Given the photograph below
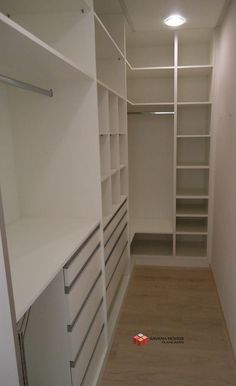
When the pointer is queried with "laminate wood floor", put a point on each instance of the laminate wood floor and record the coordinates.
(171, 302)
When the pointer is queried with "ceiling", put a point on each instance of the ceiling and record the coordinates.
(148, 15)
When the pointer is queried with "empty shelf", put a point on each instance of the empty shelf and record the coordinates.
(144, 225)
(194, 208)
(154, 245)
(189, 246)
(191, 226)
(192, 193)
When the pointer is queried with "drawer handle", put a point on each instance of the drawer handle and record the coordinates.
(120, 235)
(116, 227)
(107, 225)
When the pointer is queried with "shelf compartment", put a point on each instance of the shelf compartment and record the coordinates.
(51, 23)
(195, 47)
(109, 62)
(191, 225)
(194, 120)
(122, 110)
(113, 114)
(152, 244)
(123, 149)
(192, 183)
(158, 89)
(115, 185)
(191, 246)
(194, 86)
(191, 208)
(193, 152)
(105, 155)
(103, 110)
(106, 198)
(145, 49)
(114, 149)
(149, 72)
(124, 181)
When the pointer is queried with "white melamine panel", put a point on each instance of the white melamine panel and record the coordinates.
(73, 267)
(106, 197)
(115, 186)
(46, 331)
(191, 246)
(63, 30)
(192, 182)
(152, 244)
(80, 328)
(103, 110)
(86, 353)
(113, 113)
(190, 208)
(38, 250)
(113, 259)
(151, 90)
(109, 229)
(194, 88)
(94, 368)
(151, 140)
(105, 155)
(115, 235)
(116, 279)
(194, 120)
(193, 151)
(115, 25)
(114, 152)
(122, 110)
(80, 289)
(195, 47)
(123, 149)
(124, 181)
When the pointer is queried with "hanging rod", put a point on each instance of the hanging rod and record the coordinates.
(26, 86)
(152, 112)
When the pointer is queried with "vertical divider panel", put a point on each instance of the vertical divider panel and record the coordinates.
(175, 137)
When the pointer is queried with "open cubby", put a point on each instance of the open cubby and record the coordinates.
(114, 146)
(113, 113)
(194, 120)
(109, 62)
(191, 246)
(194, 85)
(152, 89)
(191, 225)
(115, 186)
(193, 151)
(152, 244)
(52, 21)
(105, 155)
(195, 47)
(147, 50)
(106, 198)
(123, 149)
(188, 207)
(103, 110)
(192, 183)
(122, 110)
(124, 181)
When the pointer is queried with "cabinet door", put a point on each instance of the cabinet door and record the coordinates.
(46, 340)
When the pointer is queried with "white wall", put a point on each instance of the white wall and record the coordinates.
(224, 231)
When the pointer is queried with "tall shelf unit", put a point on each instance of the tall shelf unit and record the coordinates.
(169, 94)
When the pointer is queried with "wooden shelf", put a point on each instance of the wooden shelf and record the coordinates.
(38, 250)
(42, 64)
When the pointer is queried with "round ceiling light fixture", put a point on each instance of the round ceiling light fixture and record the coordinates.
(174, 20)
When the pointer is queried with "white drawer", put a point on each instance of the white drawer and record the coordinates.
(112, 288)
(96, 361)
(80, 289)
(111, 242)
(78, 369)
(115, 256)
(113, 224)
(78, 330)
(76, 263)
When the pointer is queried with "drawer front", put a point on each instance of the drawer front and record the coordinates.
(115, 256)
(79, 329)
(77, 294)
(96, 361)
(76, 263)
(80, 366)
(109, 229)
(111, 242)
(116, 278)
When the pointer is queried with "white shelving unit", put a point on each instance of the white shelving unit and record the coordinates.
(170, 81)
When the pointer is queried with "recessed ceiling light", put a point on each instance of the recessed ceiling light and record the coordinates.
(174, 20)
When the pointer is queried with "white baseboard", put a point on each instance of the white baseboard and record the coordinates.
(162, 261)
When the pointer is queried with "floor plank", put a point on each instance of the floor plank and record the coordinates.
(171, 302)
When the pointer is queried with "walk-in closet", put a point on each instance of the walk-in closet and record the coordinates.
(117, 159)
